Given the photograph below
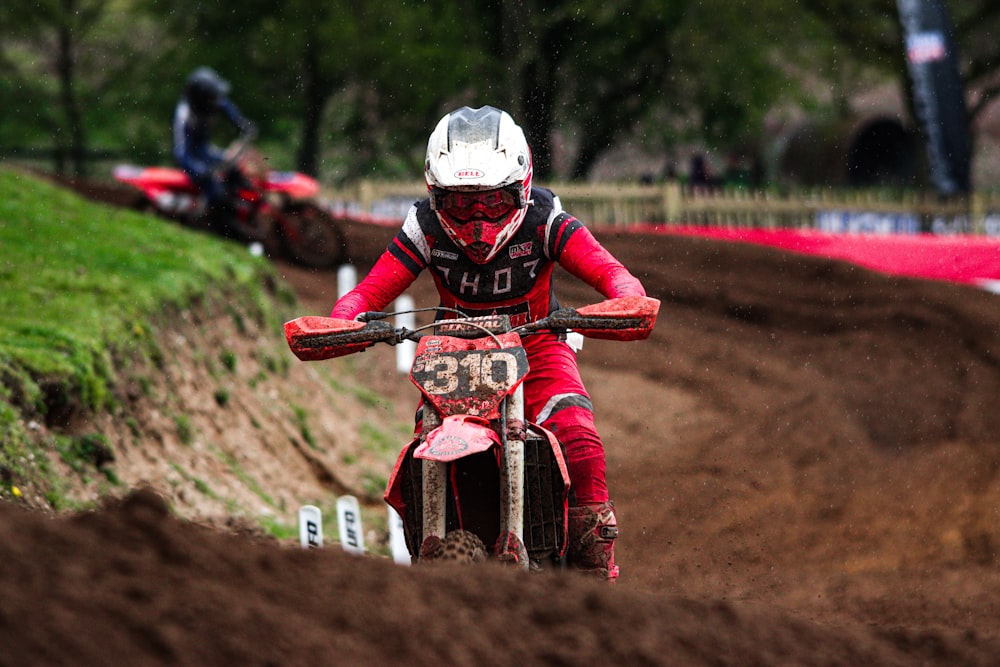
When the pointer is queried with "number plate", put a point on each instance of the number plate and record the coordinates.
(467, 381)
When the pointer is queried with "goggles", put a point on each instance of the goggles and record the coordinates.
(491, 204)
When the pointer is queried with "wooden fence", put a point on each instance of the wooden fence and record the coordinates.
(609, 204)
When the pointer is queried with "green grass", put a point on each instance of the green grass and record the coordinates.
(199, 484)
(302, 419)
(83, 290)
(239, 473)
(380, 442)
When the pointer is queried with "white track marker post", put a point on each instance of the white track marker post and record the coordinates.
(310, 527)
(349, 522)
(397, 539)
(347, 278)
(406, 350)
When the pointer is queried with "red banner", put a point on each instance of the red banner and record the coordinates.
(959, 258)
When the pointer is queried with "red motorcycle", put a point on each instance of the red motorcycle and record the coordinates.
(275, 208)
(479, 481)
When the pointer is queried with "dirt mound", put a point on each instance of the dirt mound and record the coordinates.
(804, 457)
(129, 584)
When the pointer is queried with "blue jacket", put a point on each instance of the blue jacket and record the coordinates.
(192, 136)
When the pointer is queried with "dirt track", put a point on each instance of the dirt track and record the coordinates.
(805, 461)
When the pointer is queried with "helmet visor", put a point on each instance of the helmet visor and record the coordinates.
(482, 204)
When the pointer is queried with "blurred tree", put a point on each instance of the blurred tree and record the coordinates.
(387, 64)
(977, 25)
(582, 75)
(738, 61)
(59, 26)
(587, 70)
(413, 63)
(359, 86)
(868, 32)
(590, 74)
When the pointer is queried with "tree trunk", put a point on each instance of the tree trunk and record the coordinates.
(315, 95)
(66, 66)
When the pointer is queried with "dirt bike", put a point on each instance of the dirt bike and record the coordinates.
(275, 208)
(477, 473)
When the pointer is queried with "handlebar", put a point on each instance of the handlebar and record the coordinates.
(313, 338)
(239, 145)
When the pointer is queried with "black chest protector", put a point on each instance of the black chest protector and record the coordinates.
(518, 280)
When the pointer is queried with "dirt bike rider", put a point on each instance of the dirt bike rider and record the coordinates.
(205, 96)
(491, 242)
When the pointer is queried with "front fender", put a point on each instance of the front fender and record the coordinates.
(458, 436)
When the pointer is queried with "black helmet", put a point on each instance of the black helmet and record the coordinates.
(204, 89)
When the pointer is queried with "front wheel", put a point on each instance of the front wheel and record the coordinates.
(458, 546)
(249, 226)
(311, 237)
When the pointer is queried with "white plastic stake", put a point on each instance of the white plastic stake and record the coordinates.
(406, 350)
(352, 536)
(397, 539)
(310, 527)
(347, 278)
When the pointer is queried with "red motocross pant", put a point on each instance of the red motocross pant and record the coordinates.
(556, 399)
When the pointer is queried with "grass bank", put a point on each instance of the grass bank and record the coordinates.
(83, 288)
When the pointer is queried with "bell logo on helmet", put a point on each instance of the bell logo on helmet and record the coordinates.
(469, 173)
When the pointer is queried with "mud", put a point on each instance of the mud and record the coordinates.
(804, 458)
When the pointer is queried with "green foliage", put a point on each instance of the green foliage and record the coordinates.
(88, 452)
(185, 431)
(74, 74)
(276, 365)
(221, 397)
(379, 441)
(344, 91)
(243, 476)
(73, 302)
(373, 485)
(228, 360)
(302, 418)
(277, 529)
(20, 457)
(199, 484)
(77, 305)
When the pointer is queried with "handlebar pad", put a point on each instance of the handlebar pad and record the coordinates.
(312, 338)
(627, 317)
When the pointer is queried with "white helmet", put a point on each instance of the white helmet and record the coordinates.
(478, 173)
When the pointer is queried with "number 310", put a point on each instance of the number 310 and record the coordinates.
(480, 369)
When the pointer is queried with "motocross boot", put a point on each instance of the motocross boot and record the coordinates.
(592, 533)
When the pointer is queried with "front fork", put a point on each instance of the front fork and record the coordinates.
(512, 483)
(435, 485)
(510, 545)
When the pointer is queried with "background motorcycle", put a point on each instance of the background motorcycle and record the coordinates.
(478, 481)
(275, 208)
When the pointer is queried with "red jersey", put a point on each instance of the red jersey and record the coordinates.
(516, 282)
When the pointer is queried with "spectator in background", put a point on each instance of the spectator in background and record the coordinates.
(700, 177)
